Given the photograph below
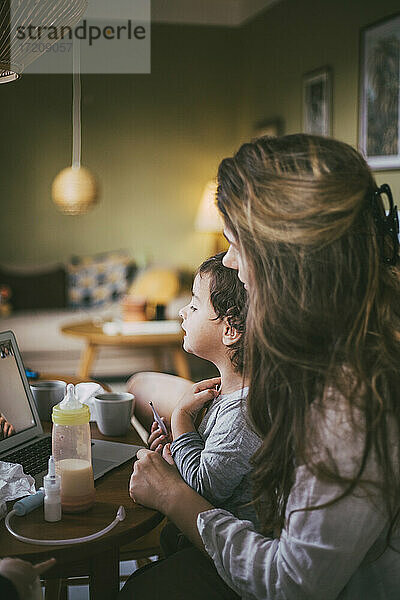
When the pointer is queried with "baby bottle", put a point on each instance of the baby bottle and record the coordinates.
(72, 452)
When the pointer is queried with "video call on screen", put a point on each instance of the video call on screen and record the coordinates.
(14, 406)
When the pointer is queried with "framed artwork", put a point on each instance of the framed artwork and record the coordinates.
(317, 102)
(271, 127)
(379, 138)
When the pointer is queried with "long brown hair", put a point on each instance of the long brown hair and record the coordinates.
(323, 313)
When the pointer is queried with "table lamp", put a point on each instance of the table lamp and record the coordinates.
(208, 219)
(153, 288)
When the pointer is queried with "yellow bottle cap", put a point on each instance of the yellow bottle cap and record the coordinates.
(70, 411)
(77, 416)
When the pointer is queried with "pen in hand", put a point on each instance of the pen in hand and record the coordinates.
(159, 420)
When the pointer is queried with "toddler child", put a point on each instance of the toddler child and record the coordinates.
(214, 459)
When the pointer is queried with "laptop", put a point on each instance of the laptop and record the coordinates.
(27, 444)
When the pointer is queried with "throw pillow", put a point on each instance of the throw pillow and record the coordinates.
(96, 280)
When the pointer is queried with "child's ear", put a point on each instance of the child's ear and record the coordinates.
(230, 335)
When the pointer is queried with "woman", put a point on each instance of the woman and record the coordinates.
(311, 242)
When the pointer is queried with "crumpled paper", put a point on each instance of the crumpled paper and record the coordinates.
(85, 392)
(14, 483)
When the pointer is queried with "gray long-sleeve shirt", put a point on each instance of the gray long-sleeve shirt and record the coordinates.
(215, 460)
(335, 553)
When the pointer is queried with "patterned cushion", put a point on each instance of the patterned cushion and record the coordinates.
(98, 279)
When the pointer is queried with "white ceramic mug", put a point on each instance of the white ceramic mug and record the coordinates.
(113, 412)
(46, 395)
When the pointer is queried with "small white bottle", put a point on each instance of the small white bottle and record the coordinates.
(52, 493)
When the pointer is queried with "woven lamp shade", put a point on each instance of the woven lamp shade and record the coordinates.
(75, 191)
(15, 53)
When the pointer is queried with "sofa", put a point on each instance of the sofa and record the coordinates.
(44, 298)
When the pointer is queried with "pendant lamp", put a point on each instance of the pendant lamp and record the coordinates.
(16, 16)
(74, 189)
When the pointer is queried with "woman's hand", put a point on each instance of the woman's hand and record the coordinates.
(25, 576)
(201, 394)
(157, 484)
(157, 439)
(154, 482)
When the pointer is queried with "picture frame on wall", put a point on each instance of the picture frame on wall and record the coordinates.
(379, 123)
(317, 102)
(271, 127)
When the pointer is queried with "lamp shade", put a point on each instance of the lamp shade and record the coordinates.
(156, 284)
(74, 190)
(41, 19)
(208, 219)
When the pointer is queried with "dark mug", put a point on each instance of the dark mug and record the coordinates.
(46, 395)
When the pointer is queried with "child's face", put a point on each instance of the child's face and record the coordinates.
(203, 335)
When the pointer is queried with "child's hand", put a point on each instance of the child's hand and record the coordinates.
(167, 454)
(157, 439)
(201, 393)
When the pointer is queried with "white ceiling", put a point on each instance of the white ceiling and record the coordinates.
(230, 13)
(207, 12)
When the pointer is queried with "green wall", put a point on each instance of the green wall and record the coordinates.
(298, 36)
(155, 140)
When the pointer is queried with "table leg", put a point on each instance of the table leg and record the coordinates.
(180, 363)
(87, 359)
(104, 575)
(55, 589)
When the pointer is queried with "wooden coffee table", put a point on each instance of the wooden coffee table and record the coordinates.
(156, 343)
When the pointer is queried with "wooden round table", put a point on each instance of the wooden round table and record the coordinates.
(155, 342)
(100, 558)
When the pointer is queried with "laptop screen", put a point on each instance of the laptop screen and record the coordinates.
(15, 409)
